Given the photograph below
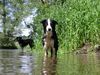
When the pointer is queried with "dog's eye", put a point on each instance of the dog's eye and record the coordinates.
(46, 24)
(51, 24)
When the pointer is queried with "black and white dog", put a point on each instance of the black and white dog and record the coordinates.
(24, 36)
(24, 42)
(50, 39)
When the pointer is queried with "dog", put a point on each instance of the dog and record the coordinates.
(24, 42)
(50, 39)
(24, 36)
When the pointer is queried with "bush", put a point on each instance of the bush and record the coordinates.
(6, 42)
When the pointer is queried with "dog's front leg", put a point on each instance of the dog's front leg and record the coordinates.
(46, 50)
(53, 52)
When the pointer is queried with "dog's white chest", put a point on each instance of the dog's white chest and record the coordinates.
(49, 43)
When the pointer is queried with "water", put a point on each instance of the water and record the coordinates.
(12, 62)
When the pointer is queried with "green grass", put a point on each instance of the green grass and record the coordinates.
(78, 22)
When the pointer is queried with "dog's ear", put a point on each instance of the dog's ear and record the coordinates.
(55, 22)
(43, 21)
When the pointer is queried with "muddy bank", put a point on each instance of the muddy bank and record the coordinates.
(87, 47)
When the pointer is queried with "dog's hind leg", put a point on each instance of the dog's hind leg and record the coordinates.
(51, 52)
(31, 44)
(22, 51)
(56, 53)
(22, 47)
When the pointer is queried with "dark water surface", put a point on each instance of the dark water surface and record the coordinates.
(14, 63)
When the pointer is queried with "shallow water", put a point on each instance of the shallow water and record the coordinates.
(12, 62)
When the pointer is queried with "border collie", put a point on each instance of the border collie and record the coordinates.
(50, 39)
(23, 35)
(24, 42)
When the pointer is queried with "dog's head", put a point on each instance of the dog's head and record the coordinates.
(48, 25)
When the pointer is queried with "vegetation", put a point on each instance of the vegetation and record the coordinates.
(11, 14)
(6, 42)
(78, 21)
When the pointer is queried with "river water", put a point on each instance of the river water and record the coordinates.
(13, 62)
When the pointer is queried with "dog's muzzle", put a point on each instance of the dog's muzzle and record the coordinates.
(49, 29)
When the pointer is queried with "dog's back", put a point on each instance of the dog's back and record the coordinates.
(24, 42)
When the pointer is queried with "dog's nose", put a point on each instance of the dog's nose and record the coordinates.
(49, 29)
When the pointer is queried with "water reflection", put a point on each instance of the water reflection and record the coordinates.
(82, 58)
(82, 64)
(25, 64)
(98, 56)
(11, 63)
(49, 66)
(7, 62)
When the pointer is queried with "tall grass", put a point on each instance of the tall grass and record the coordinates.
(78, 22)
